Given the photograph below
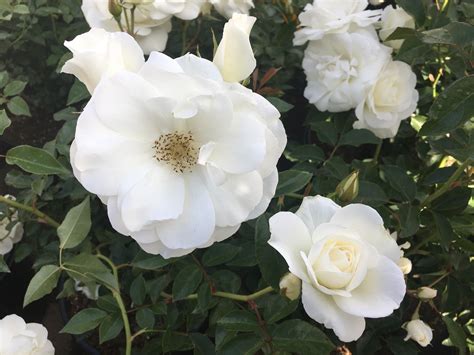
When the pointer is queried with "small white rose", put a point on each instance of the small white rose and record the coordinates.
(391, 99)
(405, 265)
(20, 338)
(346, 260)
(290, 286)
(333, 16)
(11, 230)
(341, 68)
(426, 293)
(229, 7)
(234, 56)
(419, 331)
(392, 18)
(98, 54)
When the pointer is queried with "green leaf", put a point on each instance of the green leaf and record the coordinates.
(138, 290)
(326, 132)
(77, 93)
(85, 320)
(18, 107)
(219, 253)
(4, 121)
(306, 152)
(3, 265)
(186, 282)
(357, 137)
(409, 220)
(145, 318)
(86, 267)
(76, 225)
(248, 344)
(14, 88)
(299, 337)
(173, 341)
(443, 229)
(4, 77)
(453, 201)
(456, 334)
(414, 8)
(110, 327)
(35, 160)
(280, 105)
(291, 181)
(278, 307)
(42, 283)
(21, 9)
(454, 33)
(238, 320)
(400, 181)
(204, 297)
(271, 263)
(147, 261)
(451, 109)
(371, 193)
(202, 344)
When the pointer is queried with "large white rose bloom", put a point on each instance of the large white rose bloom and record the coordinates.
(179, 156)
(419, 331)
(234, 55)
(333, 16)
(11, 231)
(229, 7)
(346, 260)
(98, 54)
(341, 68)
(20, 338)
(391, 99)
(152, 19)
(392, 18)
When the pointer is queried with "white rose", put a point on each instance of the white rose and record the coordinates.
(19, 338)
(376, 2)
(179, 156)
(405, 265)
(290, 286)
(98, 54)
(341, 68)
(419, 331)
(392, 18)
(333, 16)
(391, 99)
(229, 7)
(426, 293)
(234, 55)
(11, 230)
(346, 260)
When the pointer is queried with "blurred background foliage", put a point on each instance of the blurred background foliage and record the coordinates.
(420, 182)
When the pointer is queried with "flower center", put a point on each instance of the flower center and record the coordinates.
(178, 150)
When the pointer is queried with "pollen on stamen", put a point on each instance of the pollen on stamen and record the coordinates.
(178, 150)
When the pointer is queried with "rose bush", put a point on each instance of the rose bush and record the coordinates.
(230, 177)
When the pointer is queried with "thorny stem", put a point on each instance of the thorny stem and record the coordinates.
(446, 185)
(123, 311)
(228, 295)
(33, 210)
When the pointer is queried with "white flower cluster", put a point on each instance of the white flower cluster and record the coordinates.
(348, 68)
(346, 260)
(177, 149)
(152, 18)
(20, 338)
(11, 230)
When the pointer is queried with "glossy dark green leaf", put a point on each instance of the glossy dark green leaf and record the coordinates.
(145, 318)
(202, 344)
(138, 290)
(174, 341)
(291, 181)
(110, 327)
(247, 344)
(35, 160)
(44, 281)
(76, 225)
(147, 261)
(400, 182)
(87, 319)
(242, 321)
(357, 137)
(219, 253)
(456, 334)
(186, 282)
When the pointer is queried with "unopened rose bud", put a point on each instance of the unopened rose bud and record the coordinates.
(419, 331)
(290, 286)
(348, 189)
(114, 8)
(426, 293)
(405, 265)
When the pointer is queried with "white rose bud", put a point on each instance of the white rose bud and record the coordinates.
(348, 189)
(419, 331)
(234, 56)
(405, 265)
(392, 18)
(290, 286)
(426, 293)
(98, 54)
